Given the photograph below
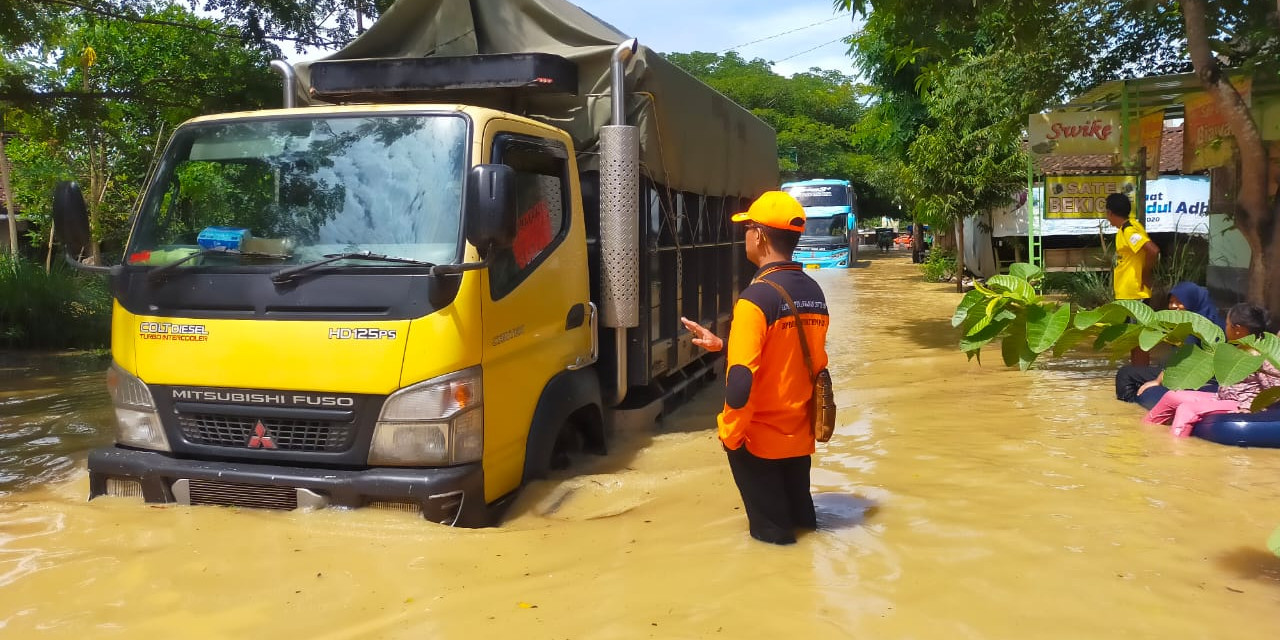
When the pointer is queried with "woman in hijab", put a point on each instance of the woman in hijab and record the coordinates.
(1141, 384)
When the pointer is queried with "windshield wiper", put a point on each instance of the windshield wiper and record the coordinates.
(289, 273)
(160, 272)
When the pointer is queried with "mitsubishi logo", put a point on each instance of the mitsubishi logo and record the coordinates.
(260, 439)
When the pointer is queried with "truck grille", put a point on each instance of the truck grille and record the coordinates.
(286, 434)
(230, 494)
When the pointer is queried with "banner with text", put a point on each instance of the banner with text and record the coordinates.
(1175, 204)
(1148, 134)
(1074, 133)
(1085, 196)
(1207, 140)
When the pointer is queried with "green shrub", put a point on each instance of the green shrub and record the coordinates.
(1185, 260)
(940, 266)
(52, 309)
(1084, 288)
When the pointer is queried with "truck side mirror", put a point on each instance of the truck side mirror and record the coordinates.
(491, 207)
(71, 218)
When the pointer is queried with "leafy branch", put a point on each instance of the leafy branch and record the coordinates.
(1007, 308)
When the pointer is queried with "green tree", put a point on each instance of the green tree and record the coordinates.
(814, 114)
(1251, 40)
(909, 47)
(110, 95)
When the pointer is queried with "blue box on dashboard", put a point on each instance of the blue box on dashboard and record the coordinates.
(224, 237)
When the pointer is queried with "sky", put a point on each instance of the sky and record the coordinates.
(794, 34)
(681, 26)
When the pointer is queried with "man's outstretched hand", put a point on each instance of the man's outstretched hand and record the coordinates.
(702, 336)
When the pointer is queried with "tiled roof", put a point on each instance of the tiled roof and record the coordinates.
(1170, 158)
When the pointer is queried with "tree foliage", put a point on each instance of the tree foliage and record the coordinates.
(954, 83)
(106, 97)
(814, 114)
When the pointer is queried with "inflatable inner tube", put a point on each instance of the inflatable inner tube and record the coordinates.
(1260, 429)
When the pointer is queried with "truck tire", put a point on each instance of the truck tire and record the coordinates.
(568, 417)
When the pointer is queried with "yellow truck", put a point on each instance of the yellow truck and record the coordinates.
(457, 257)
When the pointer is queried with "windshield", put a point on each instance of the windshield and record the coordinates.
(836, 226)
(293, 190)
(824, 195)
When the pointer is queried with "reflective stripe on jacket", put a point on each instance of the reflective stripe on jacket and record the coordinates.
(768, 389)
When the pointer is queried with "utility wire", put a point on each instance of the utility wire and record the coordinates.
(796, 55)
(779, 35)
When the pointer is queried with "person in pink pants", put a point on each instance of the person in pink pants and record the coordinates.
(1183, 409)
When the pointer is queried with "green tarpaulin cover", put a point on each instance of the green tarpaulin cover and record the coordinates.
(692, 137)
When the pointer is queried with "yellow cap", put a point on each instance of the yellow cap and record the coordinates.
(775, 209)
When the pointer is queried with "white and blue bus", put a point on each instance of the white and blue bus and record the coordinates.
(830, 237)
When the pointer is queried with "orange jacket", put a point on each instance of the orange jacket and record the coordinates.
(768, 389)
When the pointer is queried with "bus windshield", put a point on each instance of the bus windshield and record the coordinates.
(836, 226)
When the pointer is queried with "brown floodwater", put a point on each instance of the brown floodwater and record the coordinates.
(957, 500)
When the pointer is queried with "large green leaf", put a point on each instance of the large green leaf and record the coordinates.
(979, 339)
(1107, 335)
(1177, 333)
(1268, 345)
(1265, 399)
(967, 303)
(1200, 325)
(1273, 543)
(1017, 287)
(1109, 313)
(1137, 309)
(1026, 357)
(1148, 338)
(1015, 340)
(1231, 364)
(1127, 340)
(1069, 339)
(1026, 271)
(1189, 368)
(1045, 328)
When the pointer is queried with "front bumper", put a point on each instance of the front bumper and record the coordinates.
(448, 495)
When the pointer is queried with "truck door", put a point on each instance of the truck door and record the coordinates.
(537, 313)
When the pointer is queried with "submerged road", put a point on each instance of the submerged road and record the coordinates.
(957, 500)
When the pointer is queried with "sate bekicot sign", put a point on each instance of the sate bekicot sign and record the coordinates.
(1074, 133)
(1085, 196)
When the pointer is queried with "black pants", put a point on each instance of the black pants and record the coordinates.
(1130, 377)
(775, 494)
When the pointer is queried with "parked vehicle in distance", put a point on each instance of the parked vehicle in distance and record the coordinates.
(830, 237)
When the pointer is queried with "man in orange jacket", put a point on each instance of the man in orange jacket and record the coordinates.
(766, 423)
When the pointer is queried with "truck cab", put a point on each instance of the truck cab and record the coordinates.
(427, 285)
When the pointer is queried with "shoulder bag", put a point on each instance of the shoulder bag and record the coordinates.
(823, 404)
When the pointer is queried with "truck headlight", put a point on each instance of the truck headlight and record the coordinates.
(437, 422)
(137, 423)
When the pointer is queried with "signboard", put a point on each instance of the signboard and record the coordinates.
(1149, 134)
(1174, 204)
(1207, 140)
(1085, 196)
(1074, 133)
(1178, 204)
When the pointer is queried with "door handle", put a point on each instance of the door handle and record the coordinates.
(577, 315)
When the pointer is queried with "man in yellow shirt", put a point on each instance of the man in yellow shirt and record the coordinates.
(1136, 257)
